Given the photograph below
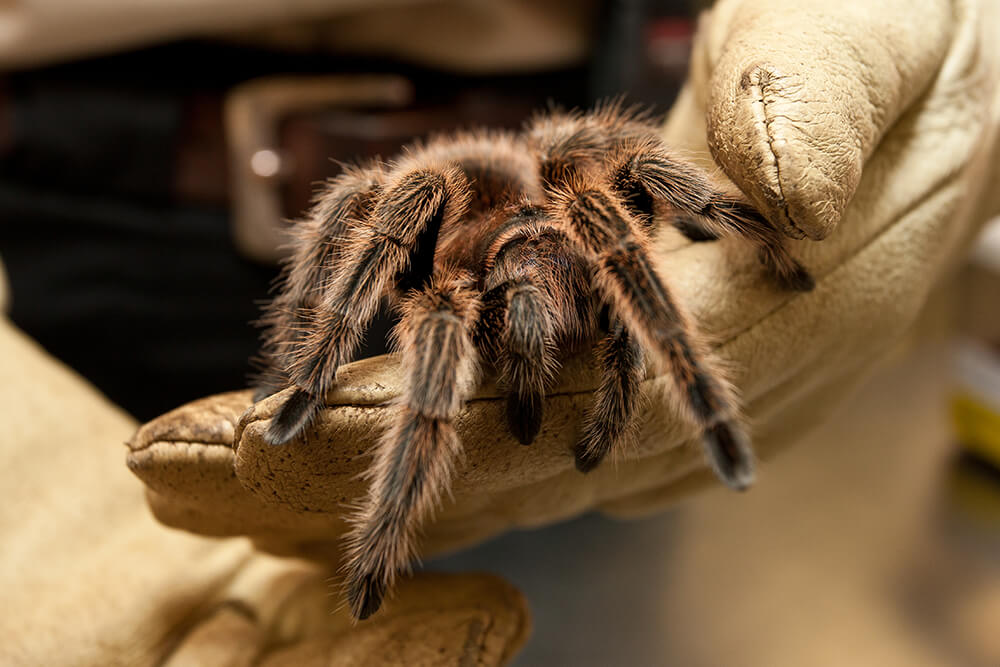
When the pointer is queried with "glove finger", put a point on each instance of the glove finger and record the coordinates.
(185, 458)
(439, 619)
(275, 612)
(799, 94)
(228, 637)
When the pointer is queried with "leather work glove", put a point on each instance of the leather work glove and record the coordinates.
(89, 578)
(866, 131)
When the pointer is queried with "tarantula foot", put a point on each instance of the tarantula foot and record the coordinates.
(524, 417)
(365, 596)
(786, 270)
(730, 454)
(798, 280)
(594, 445)
(586, 458)
(694, 231)
(292, 417)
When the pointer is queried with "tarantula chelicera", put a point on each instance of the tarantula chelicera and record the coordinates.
(503, 249)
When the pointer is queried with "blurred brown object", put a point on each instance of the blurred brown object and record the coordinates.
(465, 35)
(285, 134)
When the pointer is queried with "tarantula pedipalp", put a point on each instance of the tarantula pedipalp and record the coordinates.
(509, 250)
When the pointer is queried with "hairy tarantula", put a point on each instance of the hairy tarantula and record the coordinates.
(508, 249)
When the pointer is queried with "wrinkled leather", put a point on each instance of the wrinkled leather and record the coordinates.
(90, 578)
(809, 110)
(872, 126)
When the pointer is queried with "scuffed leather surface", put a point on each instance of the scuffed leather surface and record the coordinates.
(794, 123)
(90, 578)
(883, 123)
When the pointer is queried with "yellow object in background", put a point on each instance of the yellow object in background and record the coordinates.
(977, 425)
(975, 408)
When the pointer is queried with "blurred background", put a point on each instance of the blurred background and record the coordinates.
(144, 190)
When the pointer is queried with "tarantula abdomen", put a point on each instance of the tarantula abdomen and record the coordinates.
(504, 250)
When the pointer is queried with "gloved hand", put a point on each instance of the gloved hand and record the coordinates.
(871, 126)
(89, 578)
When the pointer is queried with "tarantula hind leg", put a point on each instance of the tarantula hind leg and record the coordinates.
(414, 458)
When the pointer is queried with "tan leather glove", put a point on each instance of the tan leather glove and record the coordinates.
(89, 578)
(872, 126)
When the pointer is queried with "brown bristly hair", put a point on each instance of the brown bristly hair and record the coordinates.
(511, 251)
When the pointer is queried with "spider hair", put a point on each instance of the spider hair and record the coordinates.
(508, 251)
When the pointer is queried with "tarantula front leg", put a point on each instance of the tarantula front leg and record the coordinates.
(317, 243)
(693, 229)
(624, 276)
(394, 246)
(524, 329)
(527, 356)
(413, 461)
(539, 285)
(643, 171)
(616, 399)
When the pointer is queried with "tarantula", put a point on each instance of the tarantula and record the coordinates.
(509, 249)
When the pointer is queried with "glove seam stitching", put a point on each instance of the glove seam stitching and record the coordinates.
(475, 649)
(762, 80)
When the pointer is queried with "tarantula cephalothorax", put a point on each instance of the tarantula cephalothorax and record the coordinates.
(506, 249)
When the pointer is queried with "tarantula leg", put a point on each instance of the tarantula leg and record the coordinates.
(626, 278)
(692, 229)
(396, 242)
(527, 361)
(643, 172)
(615, 400)
(536, 279)
(739, 216)
(414, 458)
(527, 358)
(317, 242)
